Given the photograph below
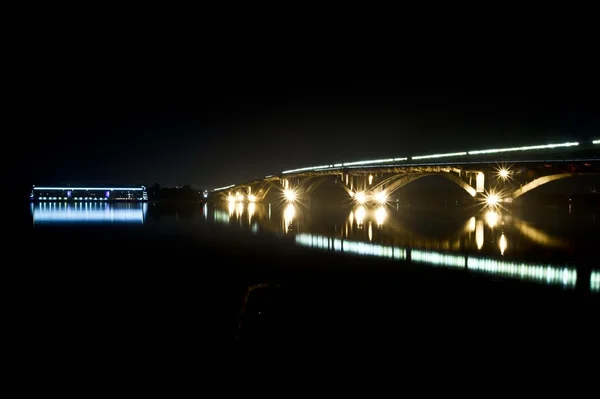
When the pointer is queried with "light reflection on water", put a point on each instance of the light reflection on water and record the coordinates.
(88, 212)
(486, 243)
(595, 281)
(480, 242)
(489, 232)
(545, 274)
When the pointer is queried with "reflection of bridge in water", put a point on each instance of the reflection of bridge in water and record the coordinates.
(492, 176)
(383, 225)
(565, 276)
(461, 249)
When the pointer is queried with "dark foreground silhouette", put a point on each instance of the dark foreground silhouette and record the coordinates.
(147, 297)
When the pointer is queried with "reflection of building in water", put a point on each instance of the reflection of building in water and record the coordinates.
(439, 259)
(354, 247)
(551, 275)
(538, 273)
(88, 212)
(595, 281)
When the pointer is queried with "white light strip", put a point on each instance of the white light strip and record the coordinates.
(307, 168)
(545, 274)
(533, 147)
(539, 273)
(355, 247)
(339, 165)
(451, 154)
(596, 141)
(368, 162)
(374, 161)
(439, 259)
(90, 188)
(223, 188)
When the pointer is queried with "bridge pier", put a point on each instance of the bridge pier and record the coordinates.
(480, 182)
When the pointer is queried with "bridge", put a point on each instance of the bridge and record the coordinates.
(494, 176)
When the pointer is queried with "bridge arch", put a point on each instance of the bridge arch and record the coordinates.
(409, 178)
(544, 180)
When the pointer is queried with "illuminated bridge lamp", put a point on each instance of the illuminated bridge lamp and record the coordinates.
(381, 197)
(69, 194)
(492, 200)
(107, 194)
(289, 195)
(480, 182)
(251, 198)
(596, 141)
(360, 197)
(504, 173)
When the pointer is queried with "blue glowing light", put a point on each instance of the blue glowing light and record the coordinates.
(93, 212)
(91, 188)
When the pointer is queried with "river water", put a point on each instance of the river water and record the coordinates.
(551, 246)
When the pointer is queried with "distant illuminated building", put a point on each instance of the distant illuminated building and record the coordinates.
(56, 193)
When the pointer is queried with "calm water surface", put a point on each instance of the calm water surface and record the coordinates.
(550, 246)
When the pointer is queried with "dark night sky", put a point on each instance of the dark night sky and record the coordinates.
(216, 115)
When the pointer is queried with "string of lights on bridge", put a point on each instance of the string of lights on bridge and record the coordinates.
(422, 157)
(433, 156)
